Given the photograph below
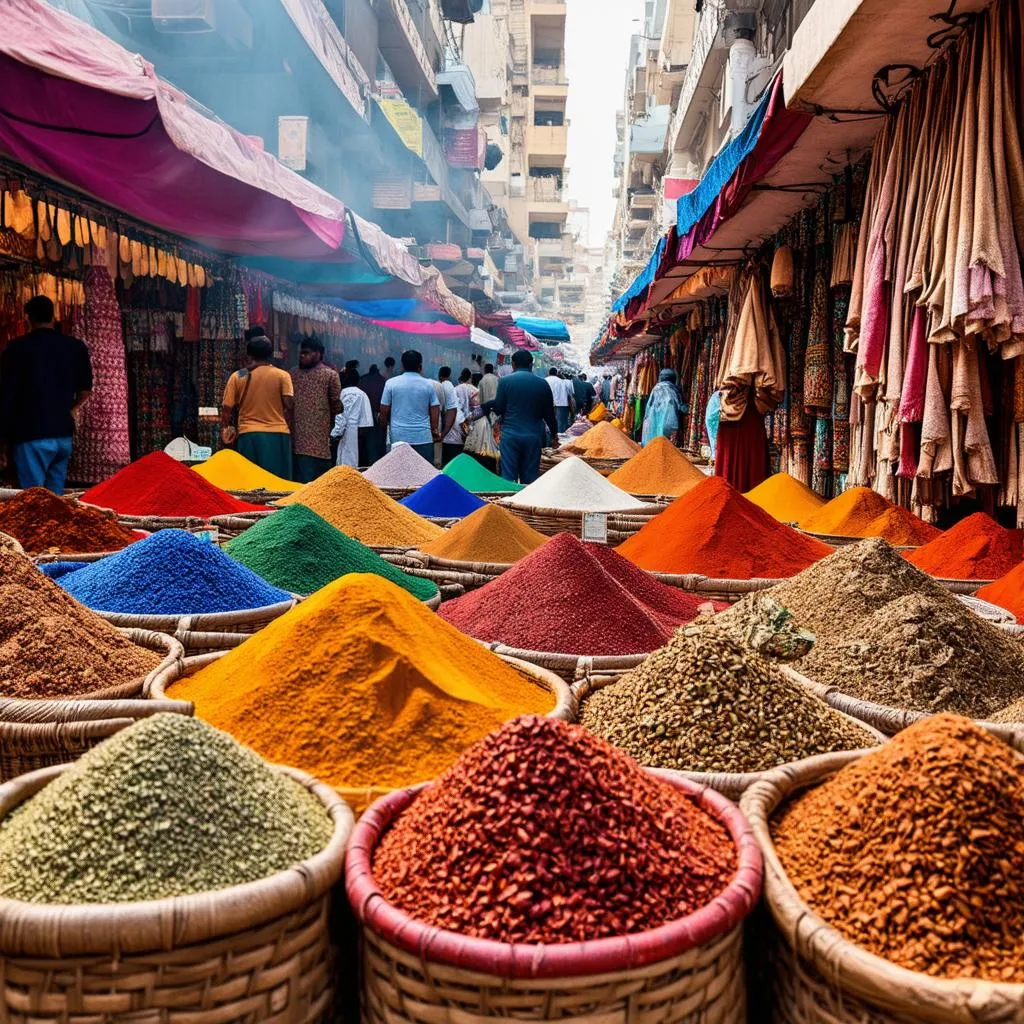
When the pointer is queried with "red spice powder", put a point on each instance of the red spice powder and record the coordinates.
(977, 548)
(543, 833)
(715, 531)
(157, 485)
(43, 522)
(573, 598)
(1007, 592)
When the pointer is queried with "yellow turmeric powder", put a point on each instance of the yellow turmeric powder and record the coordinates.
(785, 498)
(230, 471)
(862, 512)
(350, 503)
(660, 468)
(598, 413)
(362, 686)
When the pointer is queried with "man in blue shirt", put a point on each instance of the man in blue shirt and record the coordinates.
(525, 405)
(409, 405)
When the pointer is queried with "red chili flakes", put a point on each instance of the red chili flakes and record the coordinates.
(543, 833)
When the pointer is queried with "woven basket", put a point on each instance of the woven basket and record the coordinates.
(398, 493)
(255, 952)
(730, 784)
(230, 527)
(712, 589)
(552, 457)
(552, 521)
(9, 543)
(40, 733)
(571, 667)
(260, 496)
(199, 634)
(962, 587)
(988, 611)
(444, 574)
(819, 977)
(367, 795)
(687, 970)
(838, 540)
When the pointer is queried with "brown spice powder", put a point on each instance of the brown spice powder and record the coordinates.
(51, 646)
(916, 851)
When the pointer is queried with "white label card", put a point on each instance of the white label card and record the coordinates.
(595, 527)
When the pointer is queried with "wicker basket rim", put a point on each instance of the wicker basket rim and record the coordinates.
(77, 929)
(940, 1000)
(842, 539)
(575, 959)
(581, 661)
(199, 622)
(472, 568)
(640, 512)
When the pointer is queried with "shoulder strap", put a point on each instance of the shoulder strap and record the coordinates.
(245, 375)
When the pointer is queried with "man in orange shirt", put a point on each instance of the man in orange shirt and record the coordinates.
(260, 399)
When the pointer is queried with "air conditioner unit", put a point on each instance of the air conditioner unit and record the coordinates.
(185, 16)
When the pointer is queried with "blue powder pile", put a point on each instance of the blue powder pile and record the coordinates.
(57, 569)
(170, 572)
(443, 498)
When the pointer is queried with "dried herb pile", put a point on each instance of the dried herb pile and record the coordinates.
(706, 703)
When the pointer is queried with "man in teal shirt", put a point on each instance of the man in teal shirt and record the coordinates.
(525, 406)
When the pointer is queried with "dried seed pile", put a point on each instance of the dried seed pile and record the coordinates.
(43, 522)
(705, 703)
(888, 633)
(167, 807)
(916, 851)
(544, 833)
(51, 646)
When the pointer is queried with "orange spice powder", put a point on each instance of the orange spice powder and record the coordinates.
(862, 512)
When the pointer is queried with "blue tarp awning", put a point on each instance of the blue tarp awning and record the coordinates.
(644, 279)
(545, 330)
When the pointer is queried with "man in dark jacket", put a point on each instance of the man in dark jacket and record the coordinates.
(44, 377)
(525, 406)
(584, 393)
(373, 441)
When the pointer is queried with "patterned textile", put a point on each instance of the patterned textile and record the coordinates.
(101, 445)
(315, 391)
(818, 390)
(821, 475)
(841, 388)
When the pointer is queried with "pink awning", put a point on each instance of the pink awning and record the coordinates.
(77, 107)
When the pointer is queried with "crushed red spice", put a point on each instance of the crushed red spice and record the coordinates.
(574, 598)
(157, 485)
(713, 530)
(977, 548)
(543, 833)
(42, 522)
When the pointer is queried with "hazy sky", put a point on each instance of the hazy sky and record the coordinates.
(597, 47)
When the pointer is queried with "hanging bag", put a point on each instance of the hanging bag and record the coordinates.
(231, 432)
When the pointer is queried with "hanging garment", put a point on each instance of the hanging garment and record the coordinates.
(818, 384)
(101, 446)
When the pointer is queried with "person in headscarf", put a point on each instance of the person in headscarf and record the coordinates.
(664, 409)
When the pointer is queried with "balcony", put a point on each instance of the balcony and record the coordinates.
(547, 140)
(548, 8)
(546, 74)
(404, 27)
(701, 70)
(554, 249)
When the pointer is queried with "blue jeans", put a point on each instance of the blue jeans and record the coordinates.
(43, 463)
(520, 457)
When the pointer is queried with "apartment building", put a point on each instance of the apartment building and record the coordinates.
(516, 51)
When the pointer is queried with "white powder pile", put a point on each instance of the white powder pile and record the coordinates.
(575, 486)
(403, 466)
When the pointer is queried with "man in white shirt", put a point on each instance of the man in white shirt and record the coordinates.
(561, 391)
(410, 409)
(452, 417)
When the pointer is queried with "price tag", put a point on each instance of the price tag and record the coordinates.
(200, 454)
(595, 527)
(211, 534)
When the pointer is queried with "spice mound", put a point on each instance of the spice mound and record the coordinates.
(41, 521)
(704, 703)
(465, 470)
(170, 572)
(166, 807)
(713, 530)
(296, 550)
(51, 646)
(157, 485)
(1007, 592)
(572, 485)
(573, 598)
(361, 685)
(350, 503)
(543, 833)
(888, 633)
(916, 851)
(785, 498)
(403, 466)
(602, 441)
(442, 498)
(862, 512)
(231, 471)
(491, 534)
(660, 468)
(977, 548)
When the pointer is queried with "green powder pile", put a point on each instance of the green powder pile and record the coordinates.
(465, 470)
(297, 550)
(167, 807)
